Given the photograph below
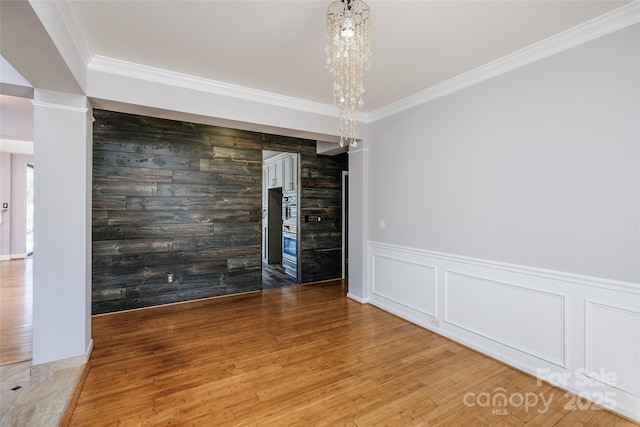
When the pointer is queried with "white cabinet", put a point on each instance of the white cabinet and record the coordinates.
(290, 166)
(275, 173)
(282, 171)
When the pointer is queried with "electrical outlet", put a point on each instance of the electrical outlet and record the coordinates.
(170, 278)
(434, 322)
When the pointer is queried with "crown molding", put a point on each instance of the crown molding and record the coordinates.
(75, 28)
(187, 81)
(60, 107)
(597, 27)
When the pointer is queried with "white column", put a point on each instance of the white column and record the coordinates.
(358, 222)
(62, 226)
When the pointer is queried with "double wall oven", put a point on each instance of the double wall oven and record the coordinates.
(290, 234)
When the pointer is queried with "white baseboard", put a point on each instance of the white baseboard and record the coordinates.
(357, 298)
(551, 324)
(12, 256)
(87, 354)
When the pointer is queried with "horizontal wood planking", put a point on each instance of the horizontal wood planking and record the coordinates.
(124, 173)
(199, 177)
(321, 195)
(137, 231)
(215, 242)
(109, 203)
(109, 248)
(106, 188)
(158, 217)
(203, 190)
(184, 198)
(144, 160)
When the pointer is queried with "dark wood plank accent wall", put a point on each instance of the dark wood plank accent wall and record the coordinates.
(321, 194)
(184, 198)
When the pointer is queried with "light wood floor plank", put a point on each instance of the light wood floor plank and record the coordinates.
(16, 308)
(300, 355)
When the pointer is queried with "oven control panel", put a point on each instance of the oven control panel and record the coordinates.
(289, 228)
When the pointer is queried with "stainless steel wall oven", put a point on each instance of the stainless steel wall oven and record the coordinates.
(290, 234)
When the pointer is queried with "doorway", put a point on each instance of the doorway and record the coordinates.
(29, 211)
(274, 226)
(16, 274)
(279, 219)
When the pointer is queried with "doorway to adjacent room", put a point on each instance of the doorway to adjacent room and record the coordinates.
(280, 219)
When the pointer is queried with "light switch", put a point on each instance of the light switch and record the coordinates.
(383, 224)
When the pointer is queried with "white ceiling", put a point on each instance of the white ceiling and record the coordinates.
(278, 46)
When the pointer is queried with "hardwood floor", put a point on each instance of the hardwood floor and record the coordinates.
(298, 355)
(16, 310)
(273, 276)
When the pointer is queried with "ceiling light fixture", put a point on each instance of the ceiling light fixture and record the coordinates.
(348, 55)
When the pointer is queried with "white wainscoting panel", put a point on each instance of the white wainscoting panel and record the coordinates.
(620, 369)
(405, 282)
(550, 324)
(519, 317)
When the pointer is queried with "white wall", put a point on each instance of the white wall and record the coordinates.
(18, 206)
(13, 170)
(512, 213)
(5, 197)
(537, 167)
(17, 124)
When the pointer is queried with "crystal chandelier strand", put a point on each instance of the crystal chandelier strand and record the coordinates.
(348, 56)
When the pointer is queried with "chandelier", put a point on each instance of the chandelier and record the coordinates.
(348, 55)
